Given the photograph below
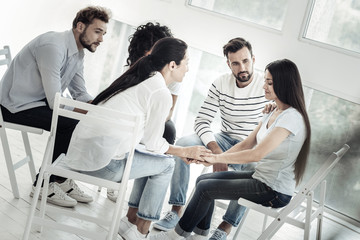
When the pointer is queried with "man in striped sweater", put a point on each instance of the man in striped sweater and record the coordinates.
(239, 97)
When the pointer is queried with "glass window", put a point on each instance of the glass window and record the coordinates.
(268, 13)
(335, 121)
(335, 22)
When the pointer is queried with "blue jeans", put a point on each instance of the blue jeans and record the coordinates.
(180, 180)
(152, 176)
(230, 185)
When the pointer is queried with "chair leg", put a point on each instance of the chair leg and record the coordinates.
(44, 194)
(309, 202)
(241, 223)
(321, 215)
(9, 163)
(264, 223)
(29, 155)
(35, 199)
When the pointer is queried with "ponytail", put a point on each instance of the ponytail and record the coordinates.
(163, 52)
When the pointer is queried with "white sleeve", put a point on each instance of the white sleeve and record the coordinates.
(159, 105)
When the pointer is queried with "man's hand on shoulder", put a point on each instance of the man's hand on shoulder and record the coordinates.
(269, 108)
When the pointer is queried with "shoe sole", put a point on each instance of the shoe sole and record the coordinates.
(82, 200)
(49, 200)
(162, 228)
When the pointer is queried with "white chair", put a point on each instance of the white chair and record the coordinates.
(301, 210)
(11, 166)
(129, 125)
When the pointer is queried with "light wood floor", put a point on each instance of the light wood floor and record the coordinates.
(13, 212)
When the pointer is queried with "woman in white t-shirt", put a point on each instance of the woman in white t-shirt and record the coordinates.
(280, 145)
(141, 90)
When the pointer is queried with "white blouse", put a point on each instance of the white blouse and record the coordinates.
(151, 99)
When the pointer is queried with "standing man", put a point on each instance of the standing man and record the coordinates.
(51, 63)
(239, 97)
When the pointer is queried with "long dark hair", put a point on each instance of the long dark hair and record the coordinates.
(288, 88)
(163, 52)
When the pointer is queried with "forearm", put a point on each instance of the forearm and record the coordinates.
(214, 147)
(193, 152)
(176, 151)
(240, 157)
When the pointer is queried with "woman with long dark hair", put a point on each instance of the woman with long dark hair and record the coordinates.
(141, 90)
(280, 145)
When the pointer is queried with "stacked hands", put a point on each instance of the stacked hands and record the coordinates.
(199, 155)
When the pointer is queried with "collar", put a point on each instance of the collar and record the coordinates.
(72, 47)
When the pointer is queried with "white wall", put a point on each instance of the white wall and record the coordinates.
(22, 20)
(322, 69)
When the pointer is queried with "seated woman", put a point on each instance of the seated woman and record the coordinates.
(141, 90)
(280, 145)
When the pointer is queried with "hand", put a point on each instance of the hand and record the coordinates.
(195, 152)
(209, 158)
(269, 108)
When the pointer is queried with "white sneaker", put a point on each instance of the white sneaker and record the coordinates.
(73, 191)
(56, 196)
(124, 225)
(196, 237)
(133, 234)
(170, 235)
(112, 194)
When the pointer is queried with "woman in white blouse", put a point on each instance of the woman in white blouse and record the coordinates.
(141, 90)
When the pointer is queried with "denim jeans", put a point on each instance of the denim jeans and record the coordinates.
(40, 117)
(230, 185)
(181, 176)
(152, 177)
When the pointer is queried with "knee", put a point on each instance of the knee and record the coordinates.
(190, 140)
(171, 164)
(202, 178)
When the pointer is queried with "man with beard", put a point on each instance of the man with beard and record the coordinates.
(51, 63)
(239, 96)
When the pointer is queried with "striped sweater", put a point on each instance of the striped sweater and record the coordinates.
(240, 108)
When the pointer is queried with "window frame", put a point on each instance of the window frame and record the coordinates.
(327, 46)
(232, 18)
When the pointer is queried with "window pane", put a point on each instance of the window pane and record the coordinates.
(335, 121)
(336, 22)
(268, 13)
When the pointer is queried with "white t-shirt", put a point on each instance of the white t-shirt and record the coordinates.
(277, 168)
(150, 99)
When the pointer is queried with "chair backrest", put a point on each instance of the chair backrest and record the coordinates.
(327, 166)
(107, 122)
(6, 53)
(5, 59)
